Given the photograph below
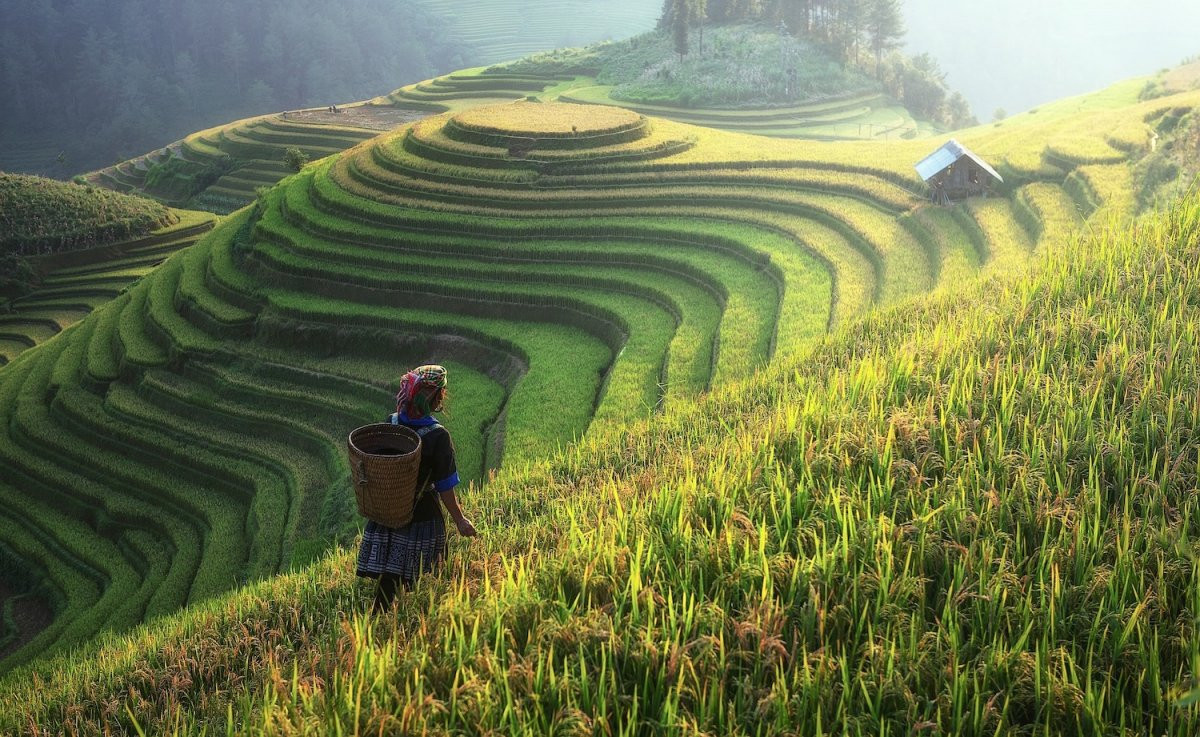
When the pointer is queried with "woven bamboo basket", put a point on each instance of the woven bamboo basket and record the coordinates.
(385, 460)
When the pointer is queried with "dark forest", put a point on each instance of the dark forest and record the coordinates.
(119, 77)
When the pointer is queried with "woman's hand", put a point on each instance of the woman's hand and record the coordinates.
(450, 502)
(465, 528)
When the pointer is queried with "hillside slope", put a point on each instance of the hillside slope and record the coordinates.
(974, 514)
(220, 169)
(591, 258)
(66, 249)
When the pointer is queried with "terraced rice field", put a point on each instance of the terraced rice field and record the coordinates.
(250, 152)
(575, 268)
(252, 149)
(855, 117)
(76, 282)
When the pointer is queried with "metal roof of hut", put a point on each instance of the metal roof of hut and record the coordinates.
(949, 153)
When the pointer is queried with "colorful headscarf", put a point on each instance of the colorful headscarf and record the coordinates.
(417, 388)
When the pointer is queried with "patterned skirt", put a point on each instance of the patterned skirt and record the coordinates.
(405, 552)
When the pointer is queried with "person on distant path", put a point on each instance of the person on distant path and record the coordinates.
(396, 555)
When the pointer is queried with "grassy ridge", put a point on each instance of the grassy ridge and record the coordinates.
(983, 525)
(39, 216)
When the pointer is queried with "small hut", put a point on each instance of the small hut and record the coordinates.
(954, 172)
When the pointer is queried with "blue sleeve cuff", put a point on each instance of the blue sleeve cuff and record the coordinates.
(447, 483)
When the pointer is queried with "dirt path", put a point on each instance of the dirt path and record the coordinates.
(372, 117)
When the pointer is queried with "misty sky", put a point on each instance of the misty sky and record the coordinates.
(1017, 54)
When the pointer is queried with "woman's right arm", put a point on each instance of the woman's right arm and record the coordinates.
(447, 471)
(450, 502)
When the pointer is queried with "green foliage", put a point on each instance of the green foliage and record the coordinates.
(176, 179)
(743, 66)
(43, 216)
(294, 159)
(1153, 89)
(1155, 171)
(918, 82)
(884, 26)
(680, 21)
(17, 276)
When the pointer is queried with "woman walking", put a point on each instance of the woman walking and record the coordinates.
(398, 555)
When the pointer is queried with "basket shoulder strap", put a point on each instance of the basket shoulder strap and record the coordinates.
(425, 484)
(423, 431)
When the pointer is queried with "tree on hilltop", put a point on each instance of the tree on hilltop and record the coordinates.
(846, 31)
(958, 112)
(677, 14)
(680, 16)
(921, 85)
(699, 15)
(885, 28)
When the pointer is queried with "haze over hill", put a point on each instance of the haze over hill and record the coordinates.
(1019, 54)
(117, 78)
(109, 82)
(502, 30)
(106, 80)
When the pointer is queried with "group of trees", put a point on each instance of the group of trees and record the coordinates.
(845, 27)
(115, 78)
(866, 34)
